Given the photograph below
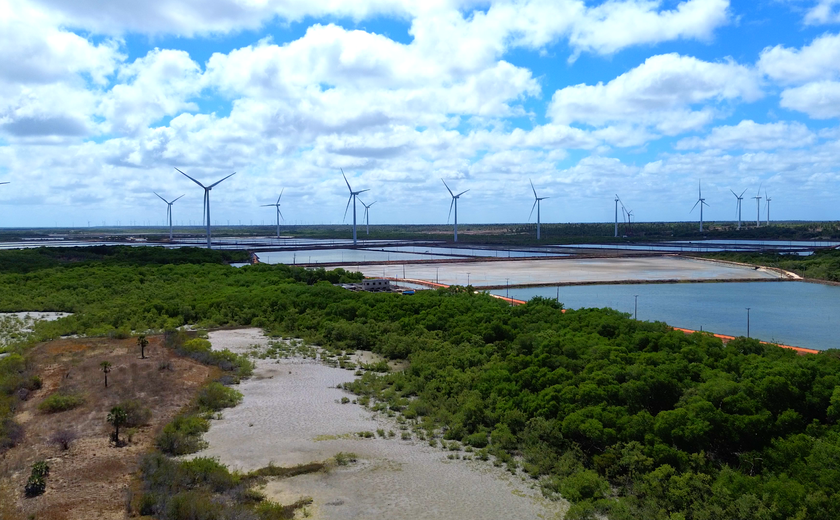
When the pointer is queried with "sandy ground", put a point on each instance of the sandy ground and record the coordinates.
(15, 325)
(549, 272)
(292, 414)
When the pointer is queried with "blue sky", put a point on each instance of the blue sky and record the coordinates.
(100, 101)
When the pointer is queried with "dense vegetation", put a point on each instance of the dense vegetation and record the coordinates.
(824, 264)
(627, 419)
(513, 233)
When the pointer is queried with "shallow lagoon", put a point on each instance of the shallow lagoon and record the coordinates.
(793, 313)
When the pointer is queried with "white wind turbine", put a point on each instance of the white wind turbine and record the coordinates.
(353, 195)
(277, 207)
(767, 203)
(206, 210)
(758, 207)
(453, 203)
(366, 216)
(168, 211)
(738, 205)
(702, 202)
(536, 205)
(617, 201)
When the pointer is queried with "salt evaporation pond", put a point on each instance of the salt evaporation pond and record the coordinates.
(792, 313)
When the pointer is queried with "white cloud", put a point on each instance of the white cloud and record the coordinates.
(818, 99)
(157, 85)
(826, 11)
(659, 93)
(749, 135)
(818, 60)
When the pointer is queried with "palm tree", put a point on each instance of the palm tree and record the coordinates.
(117, 417)
(106, 367)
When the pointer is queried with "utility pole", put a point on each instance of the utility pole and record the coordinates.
(636, 307)
(748, 322)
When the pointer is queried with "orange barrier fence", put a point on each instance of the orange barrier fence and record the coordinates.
(726, 339)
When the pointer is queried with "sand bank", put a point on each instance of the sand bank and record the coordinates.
(292, 414)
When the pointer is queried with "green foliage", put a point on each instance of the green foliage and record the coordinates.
(137, 414)
(117, 418)
(216, 396)
(60, 402)
(183, 435)
(36, 484)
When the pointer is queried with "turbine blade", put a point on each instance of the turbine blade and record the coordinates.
(450, 210)
(736, 195)
(281, 194)
(173, 202)
(533, 189)
(161, 198)
(372, 203)
(217, 182)
(531, 214)
(695, 205)
(281, 215)
(348, 207)
(204, 211)
(742, 194)
(346, 181)
(759, 188)
(458, 195)
(447, 188)
(362, 191)
(190, 178)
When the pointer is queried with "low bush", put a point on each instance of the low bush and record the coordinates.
(60, 402)
(216, 396)
(136, 413)
(183, 435)
(63, 438)
(11, 433)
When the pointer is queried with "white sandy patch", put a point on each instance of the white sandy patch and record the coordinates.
(15, 326)
(292, 414)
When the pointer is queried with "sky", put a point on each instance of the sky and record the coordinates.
(100, 101)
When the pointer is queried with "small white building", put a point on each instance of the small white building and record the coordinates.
(376, 284)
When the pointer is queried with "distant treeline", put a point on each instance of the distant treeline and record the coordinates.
(510, 234)
(824, 264)
(626, 419)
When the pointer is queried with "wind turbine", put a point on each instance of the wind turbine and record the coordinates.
(453, 203)
(702, 202)
(352, 198)
(279, 215)
(206, 210)
(738, 205)
(767, 203)
(168, 212)
(617, 201)
(758, 207)
(367, 214)
(536, 205)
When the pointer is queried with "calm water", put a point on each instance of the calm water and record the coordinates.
(464, 251)
(793, 313)
(337, 255)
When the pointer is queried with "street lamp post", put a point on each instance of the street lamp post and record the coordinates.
(468, 279)
(636, 307)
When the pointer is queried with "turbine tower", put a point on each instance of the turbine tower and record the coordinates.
(617, 200)
(279, 215)
(536, 205)
(453, 203)
(702, 202)
(738, 205)
(367, 214)
(352, 198)
(168, 212)
(767, 203)
(206, 210)
(758, 207)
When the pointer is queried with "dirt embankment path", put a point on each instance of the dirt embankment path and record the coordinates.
(90, 480)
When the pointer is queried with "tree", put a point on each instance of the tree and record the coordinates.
(106, 367)
(117, 417)
(142, 342)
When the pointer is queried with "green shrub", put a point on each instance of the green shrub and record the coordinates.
(137, 414)
(216, 396)
(183, 435)
(476, 440)
(60, 402)
(208, 472)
